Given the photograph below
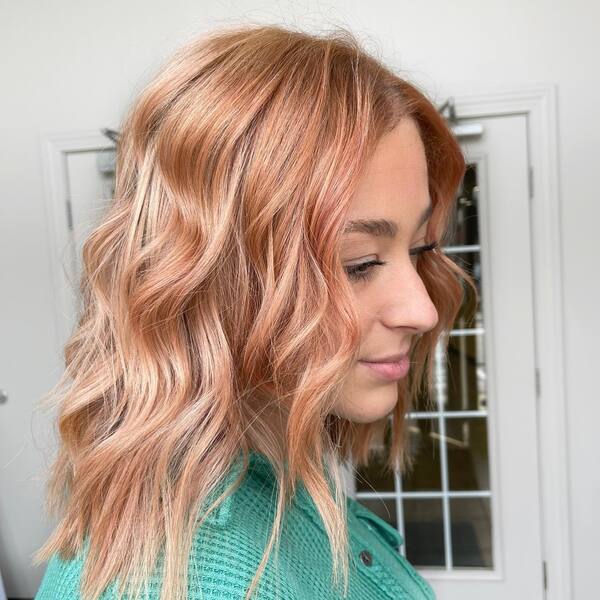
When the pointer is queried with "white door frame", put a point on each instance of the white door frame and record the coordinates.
(56, 146)
(539, 103)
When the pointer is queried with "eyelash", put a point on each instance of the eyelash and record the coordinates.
(355, 274)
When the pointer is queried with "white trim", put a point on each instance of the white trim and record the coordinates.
(440, 494)
(55, 148)
(539, 103)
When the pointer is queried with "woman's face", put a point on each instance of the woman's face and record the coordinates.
(391, 299)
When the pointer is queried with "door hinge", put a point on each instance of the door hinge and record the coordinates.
(530, 182)
(538, 385)
(69, 214)
(545, 574)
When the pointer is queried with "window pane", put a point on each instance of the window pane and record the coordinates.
(466, 387)
(471, 526)
(424, 448)
(467, 450)
(470, 262)
(466, 222)
(424, 532)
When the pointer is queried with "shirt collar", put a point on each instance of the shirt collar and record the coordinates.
(261, 464)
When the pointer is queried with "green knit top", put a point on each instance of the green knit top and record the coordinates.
(229, 545)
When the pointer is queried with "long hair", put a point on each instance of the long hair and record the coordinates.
(213, 293)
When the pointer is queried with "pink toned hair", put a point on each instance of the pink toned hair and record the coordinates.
(213, 290)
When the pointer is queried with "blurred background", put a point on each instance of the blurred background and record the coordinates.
(502, 500)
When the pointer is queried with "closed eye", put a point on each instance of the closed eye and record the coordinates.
(362, 271)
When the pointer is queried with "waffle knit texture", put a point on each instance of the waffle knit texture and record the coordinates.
(228, 547)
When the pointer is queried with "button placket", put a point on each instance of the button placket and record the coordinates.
(375, 570)
(394, 539)
(381, 571)
(378, 572)
(390, 583)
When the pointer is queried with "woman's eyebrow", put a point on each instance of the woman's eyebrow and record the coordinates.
(381, 227)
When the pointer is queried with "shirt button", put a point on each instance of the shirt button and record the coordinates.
(366, 557)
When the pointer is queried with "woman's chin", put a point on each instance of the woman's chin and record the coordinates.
(368, 406)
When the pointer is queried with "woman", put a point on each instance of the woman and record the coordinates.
(262, 299)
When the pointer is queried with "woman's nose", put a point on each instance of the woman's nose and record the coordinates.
(410, 304)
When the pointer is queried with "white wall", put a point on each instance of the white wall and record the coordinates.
(68, 65)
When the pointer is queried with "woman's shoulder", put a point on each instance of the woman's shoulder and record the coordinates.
(230, 543)
(226, 551)
(61, 579)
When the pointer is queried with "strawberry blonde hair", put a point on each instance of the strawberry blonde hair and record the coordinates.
(213, 290)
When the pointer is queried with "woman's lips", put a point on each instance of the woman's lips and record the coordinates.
(389, 370)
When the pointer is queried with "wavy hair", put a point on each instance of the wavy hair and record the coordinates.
(213, 293)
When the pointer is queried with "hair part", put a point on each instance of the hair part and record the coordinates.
(213, 293)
